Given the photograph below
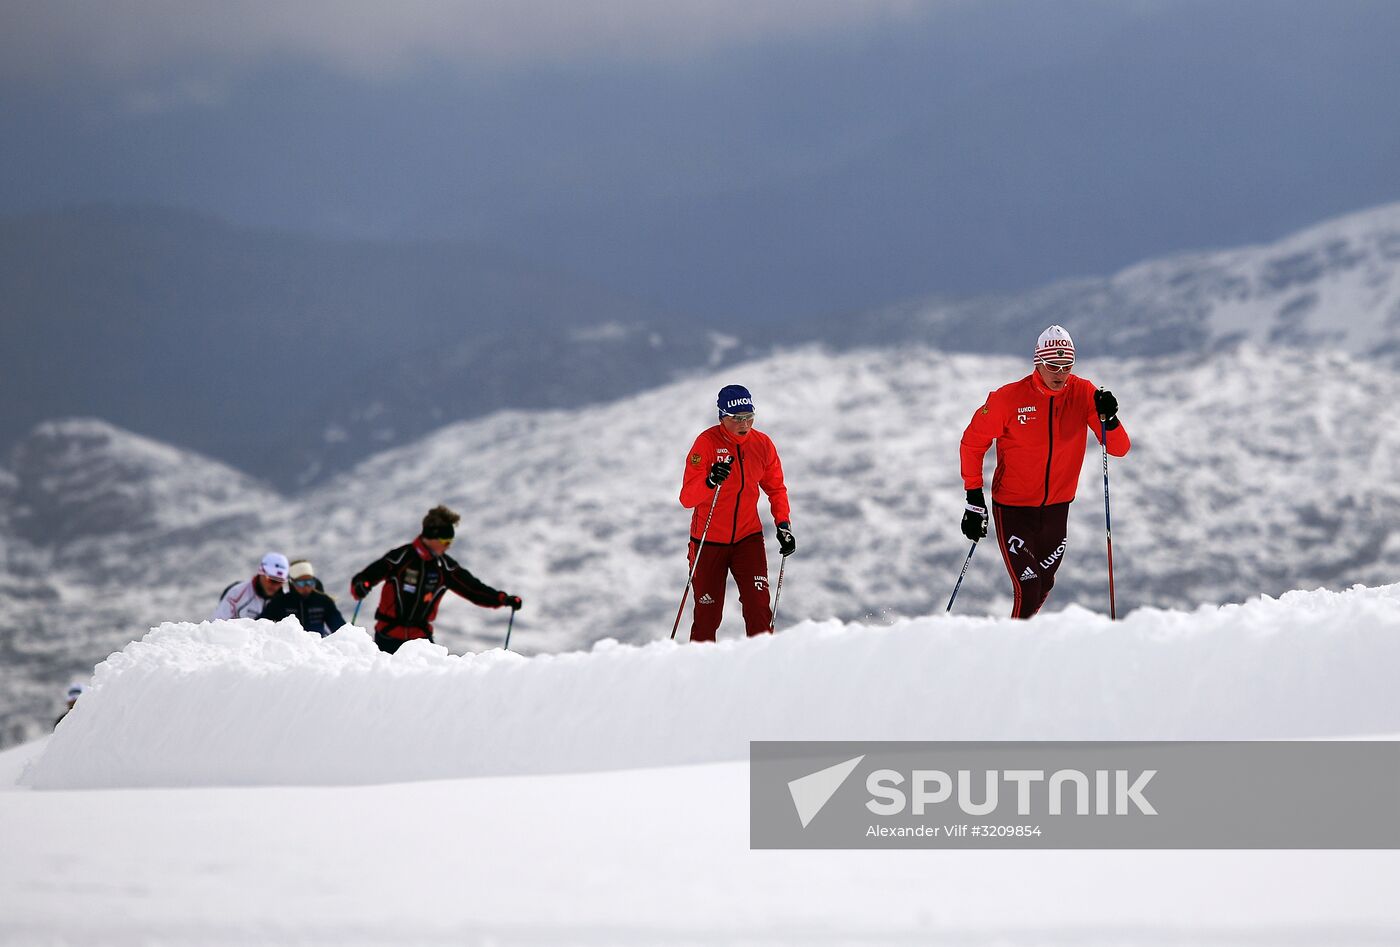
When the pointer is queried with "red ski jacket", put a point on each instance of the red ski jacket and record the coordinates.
(756, 465)
(1040, 439)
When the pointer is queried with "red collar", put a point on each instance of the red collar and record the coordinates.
(1040, 388)
(731, 439)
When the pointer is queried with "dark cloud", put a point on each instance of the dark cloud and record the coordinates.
(43, 40)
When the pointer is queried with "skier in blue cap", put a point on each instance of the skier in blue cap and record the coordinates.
(727, 467)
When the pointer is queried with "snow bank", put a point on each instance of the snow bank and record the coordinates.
(16, 759)
(250, 703)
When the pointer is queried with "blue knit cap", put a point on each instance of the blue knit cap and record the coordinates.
(734, 399)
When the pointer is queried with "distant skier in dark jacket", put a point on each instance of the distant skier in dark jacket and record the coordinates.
(416, 577)
(306, 602)
(75, 690)
(1040, 425)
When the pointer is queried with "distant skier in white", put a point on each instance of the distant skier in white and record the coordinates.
(248, 599)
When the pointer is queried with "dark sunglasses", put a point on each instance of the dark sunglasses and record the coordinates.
(445, 542)
(304, 583)
(1057, 369)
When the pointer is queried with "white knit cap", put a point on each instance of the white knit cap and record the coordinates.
(1054, 345)
(301, 569)
(274, 566)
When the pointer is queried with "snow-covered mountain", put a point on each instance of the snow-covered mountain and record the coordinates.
(1253, 471)
(1255, 382)
(116, 314)
(99, 527)
(87, 478)
(291, 356)
(1335, 285)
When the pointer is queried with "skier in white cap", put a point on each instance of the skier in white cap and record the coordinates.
(247, 599)
(1040, 425)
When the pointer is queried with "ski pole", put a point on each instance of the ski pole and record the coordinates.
(509, 625)
(961, 574)
(356, 617)
(696, 564)
(777, 595)
(1107, 521)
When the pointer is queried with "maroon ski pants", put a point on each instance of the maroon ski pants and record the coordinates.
(748, 561)
(1032, 541)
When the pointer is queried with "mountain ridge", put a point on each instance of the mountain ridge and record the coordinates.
(1226, 495)
(292, 398)
(1250, 472)
(270, 350)
(1335, 283)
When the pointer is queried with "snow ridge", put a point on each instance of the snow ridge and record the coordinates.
(252, 703)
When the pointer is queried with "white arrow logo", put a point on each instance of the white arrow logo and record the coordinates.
(812, 792)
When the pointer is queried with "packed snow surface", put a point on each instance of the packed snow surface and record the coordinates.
(252, 703)
(655, 857)
(638, 850)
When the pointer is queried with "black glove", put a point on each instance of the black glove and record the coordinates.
(786, 544)
(359, 590)
(719, 472)
(511, 601)
(1107, 407)
(974, 522)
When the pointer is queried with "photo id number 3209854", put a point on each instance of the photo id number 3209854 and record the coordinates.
(1004, 831)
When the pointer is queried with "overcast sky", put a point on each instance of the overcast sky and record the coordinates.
(123, 39)
(730, 158)
(724, 166)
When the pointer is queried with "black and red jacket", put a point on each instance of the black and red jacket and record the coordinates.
(414, 583)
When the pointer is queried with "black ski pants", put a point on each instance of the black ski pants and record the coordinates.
(390, 644)
(1032, 541)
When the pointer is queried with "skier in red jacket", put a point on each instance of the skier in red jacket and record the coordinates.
(727, 466)
(1040, 425)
